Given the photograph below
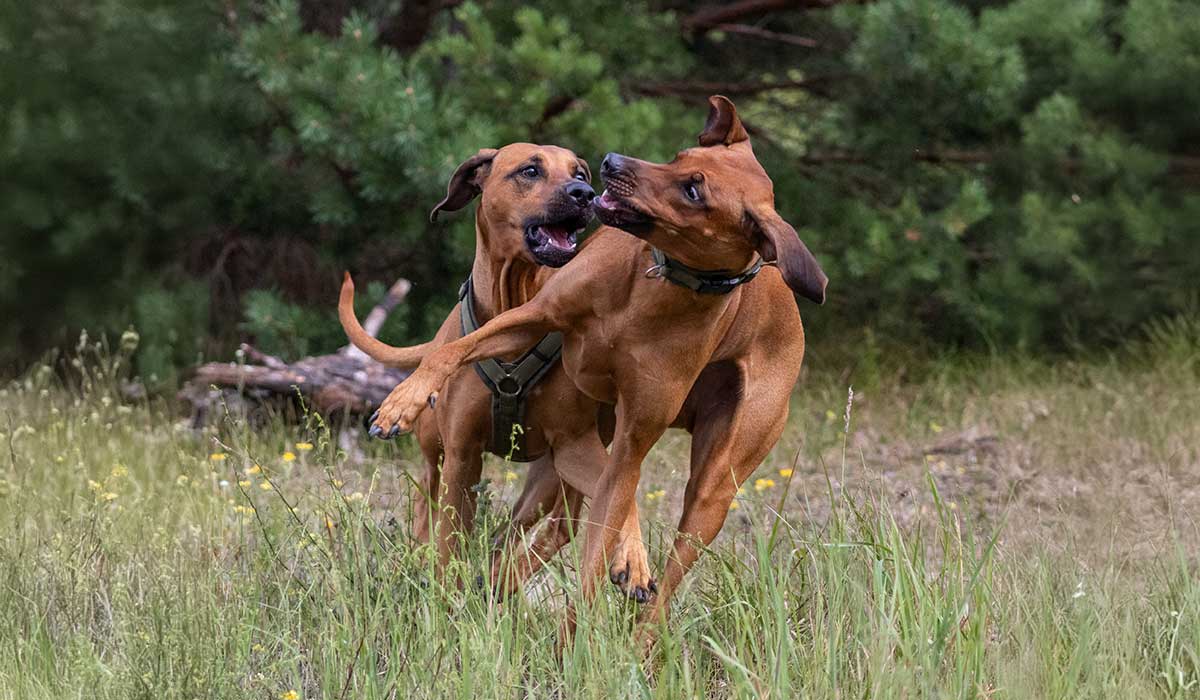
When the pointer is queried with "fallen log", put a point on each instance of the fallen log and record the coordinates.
(346, 381)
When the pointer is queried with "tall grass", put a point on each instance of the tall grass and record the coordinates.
(141, 559)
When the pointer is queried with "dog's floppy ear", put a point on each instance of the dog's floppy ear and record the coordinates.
(778, 241)
(723, 125)
(587, 172)
(465, 182)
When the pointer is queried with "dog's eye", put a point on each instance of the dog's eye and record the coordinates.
(531, 171)
(581, 177)
(691, 191)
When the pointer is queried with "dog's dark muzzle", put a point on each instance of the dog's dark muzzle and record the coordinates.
(553, 239)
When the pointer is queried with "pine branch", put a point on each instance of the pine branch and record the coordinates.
(1180, 165)
(407, 29)
(711, 17)
(767, 35)
(732, 89)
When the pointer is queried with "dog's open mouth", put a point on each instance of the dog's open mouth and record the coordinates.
(554, 243)
(614, 211)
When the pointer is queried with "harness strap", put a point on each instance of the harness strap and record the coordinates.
(509, 382)
(700, 281)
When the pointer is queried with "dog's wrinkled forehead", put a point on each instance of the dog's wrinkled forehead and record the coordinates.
(529, 163)
(727, 171)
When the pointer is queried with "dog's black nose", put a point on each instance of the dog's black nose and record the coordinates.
(613, 163)
(581, 192)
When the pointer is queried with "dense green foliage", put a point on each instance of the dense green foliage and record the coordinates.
(970, 173)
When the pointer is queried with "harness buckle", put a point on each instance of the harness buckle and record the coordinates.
(509, 387)
(654, 271)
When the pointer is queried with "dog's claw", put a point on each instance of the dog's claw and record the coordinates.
(394, 433)
(432, 400)
(653, 586)
(375, 431)
(641, 595)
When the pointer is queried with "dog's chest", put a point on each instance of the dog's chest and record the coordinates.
(589, 357)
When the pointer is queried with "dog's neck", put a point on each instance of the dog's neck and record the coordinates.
(501, 282)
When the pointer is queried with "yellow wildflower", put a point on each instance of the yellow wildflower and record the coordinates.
(244, 483)
(257, 648)
(254, 470)
(356, 496)
(935, 427)
(94, 485)
(763, 484)
(289, 456)
(785, 473)
(741, 491)
(119, 471)
(304, 446)
(290, 695)
(217, 456)
(328, 523)
(733, 505)
(265, 486)
(510, 475)
(338, 483)
(108, 496)
(653, 496)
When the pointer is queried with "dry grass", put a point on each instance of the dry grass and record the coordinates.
(986, 528)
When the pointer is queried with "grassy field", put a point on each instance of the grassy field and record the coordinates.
(965, 529)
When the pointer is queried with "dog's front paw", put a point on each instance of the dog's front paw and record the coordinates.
(629, 570)
(401, 407)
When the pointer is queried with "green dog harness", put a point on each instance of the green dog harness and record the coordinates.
(509, 383)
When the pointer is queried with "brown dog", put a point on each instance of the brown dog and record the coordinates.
(666, 354)
(534, 200)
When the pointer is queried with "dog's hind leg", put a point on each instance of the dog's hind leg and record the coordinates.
(522, 557)
(737, 422)
(541, 494)
(541, 498)
(576, 457)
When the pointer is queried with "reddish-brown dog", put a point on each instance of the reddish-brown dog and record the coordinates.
(534, 200)
(721, 365)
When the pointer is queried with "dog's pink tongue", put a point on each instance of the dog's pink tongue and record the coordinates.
(558, 236)
(606, 200)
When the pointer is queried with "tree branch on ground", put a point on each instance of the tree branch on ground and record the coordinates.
(346, 380)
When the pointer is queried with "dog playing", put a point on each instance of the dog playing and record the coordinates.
(534, 202)
(679, 324)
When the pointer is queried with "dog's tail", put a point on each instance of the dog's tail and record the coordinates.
(400, 358)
